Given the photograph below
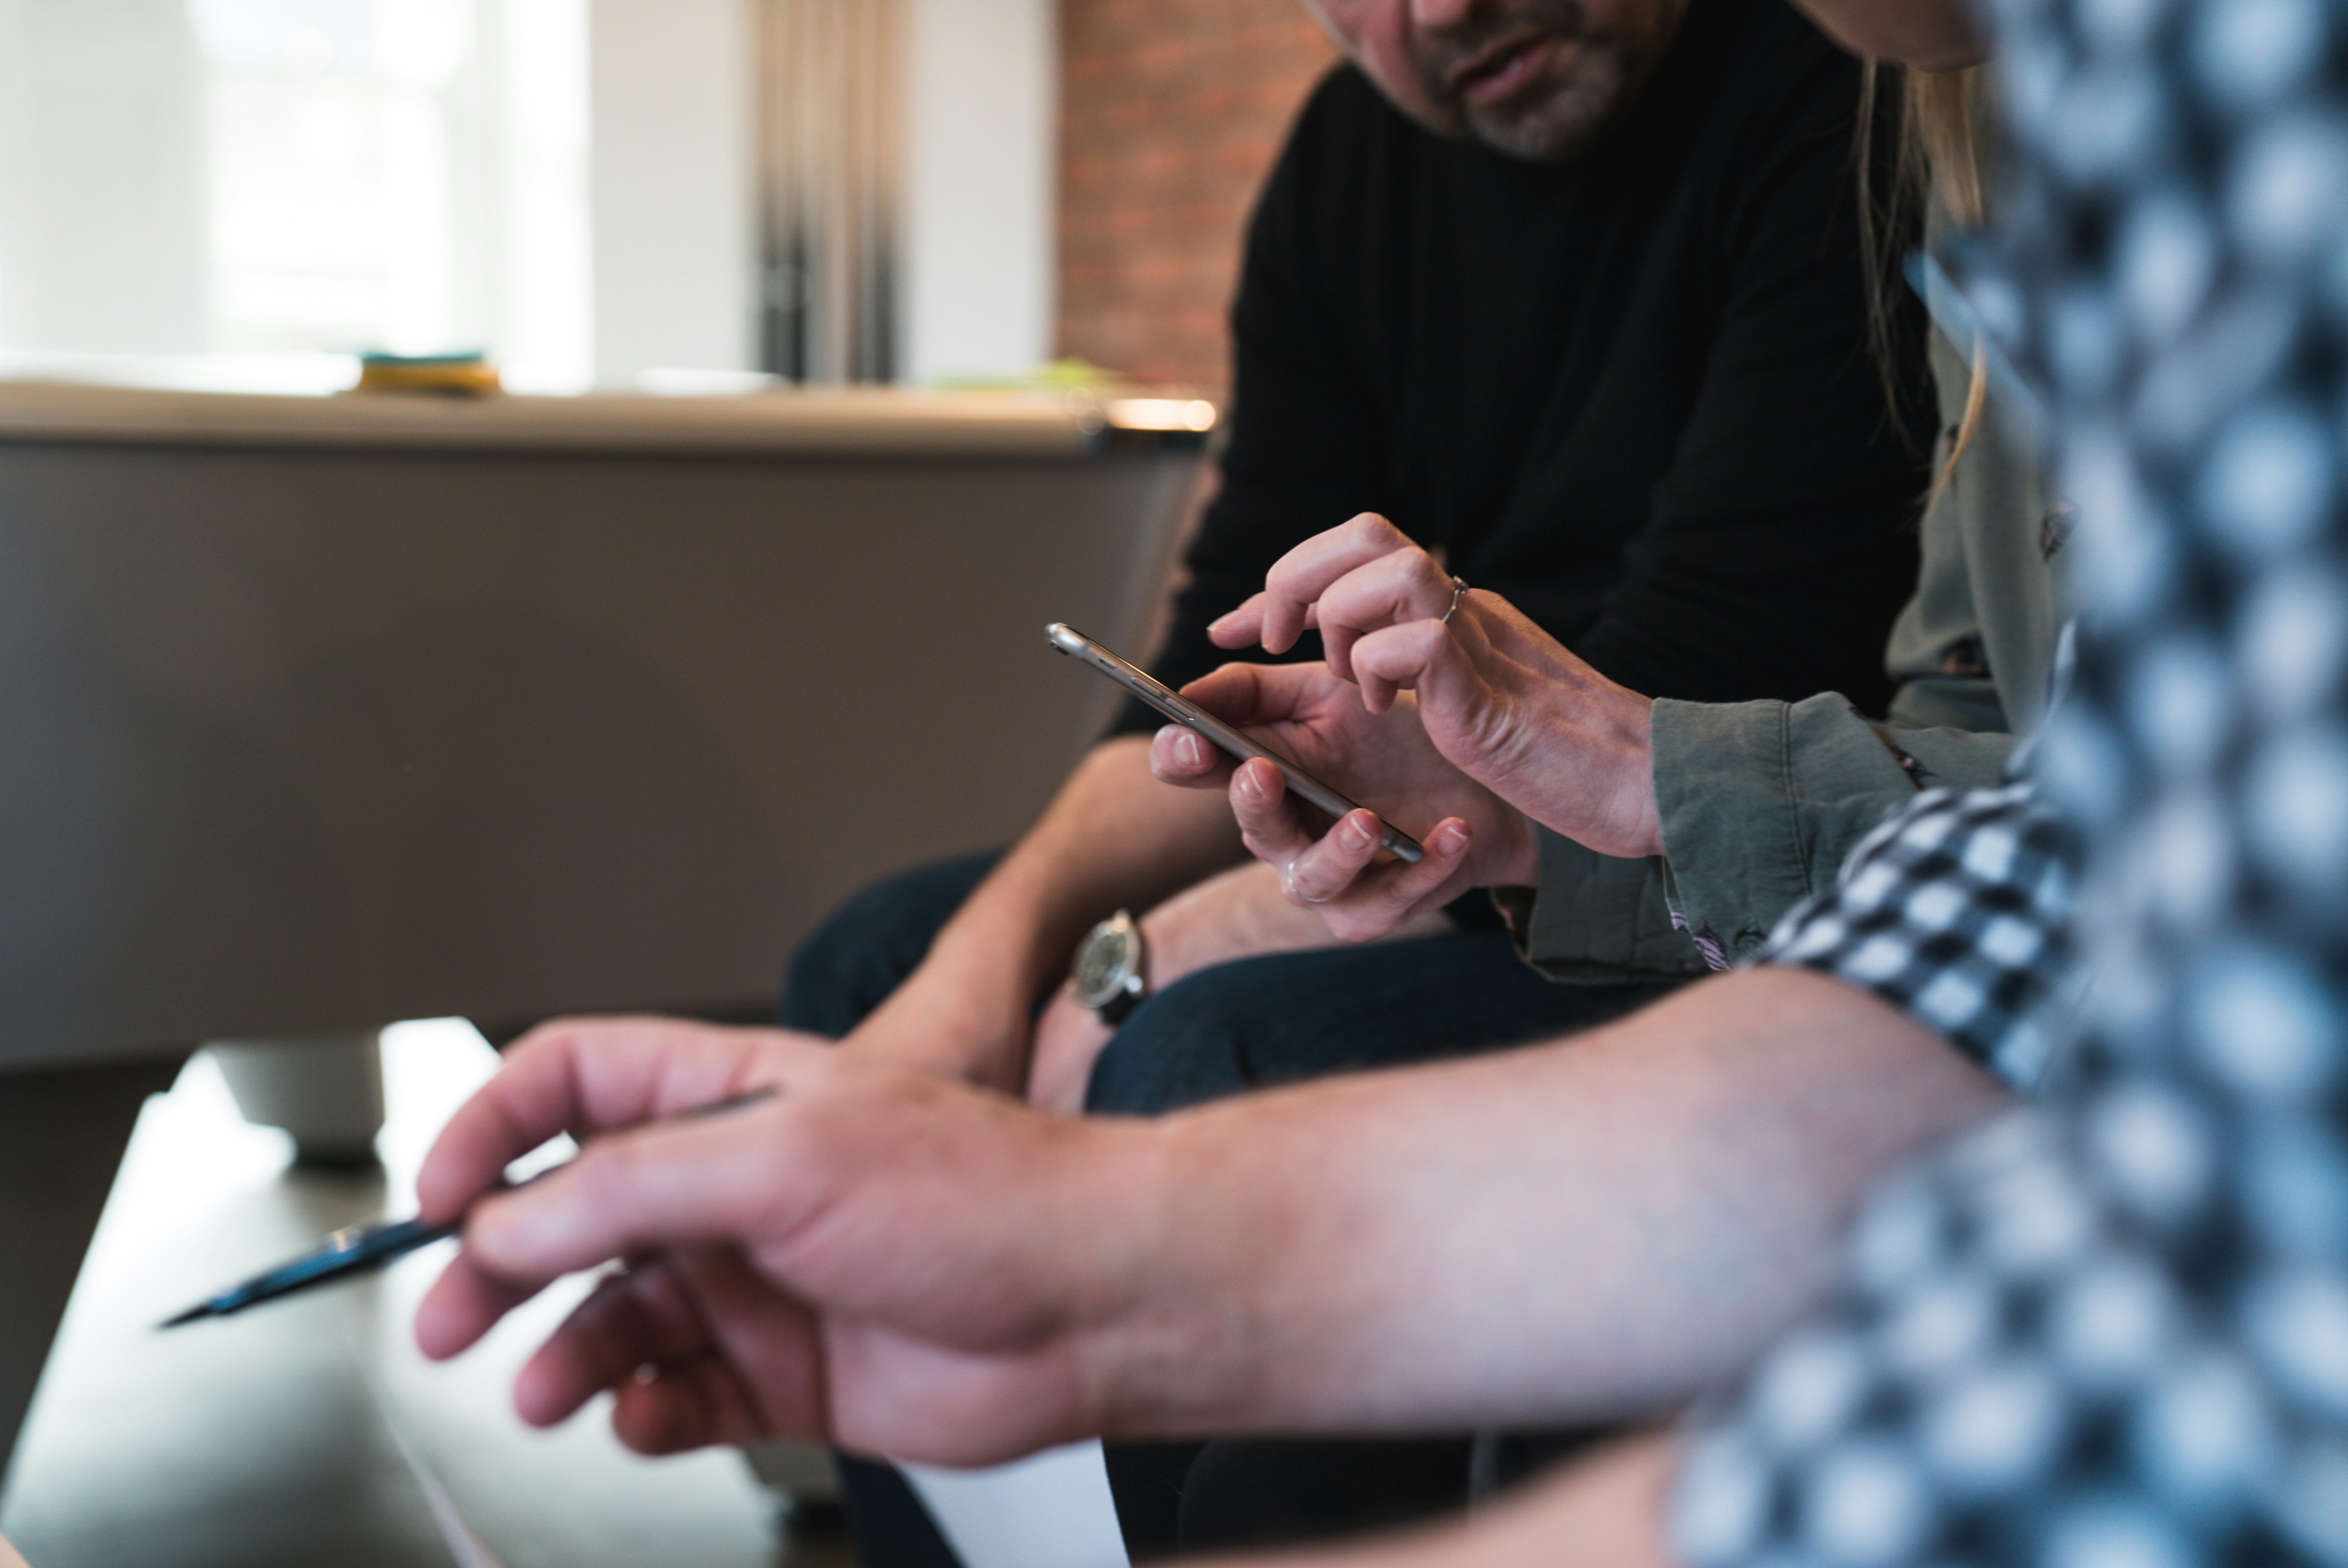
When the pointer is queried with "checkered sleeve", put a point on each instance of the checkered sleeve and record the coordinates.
(1955, 911)
(2018, 1371)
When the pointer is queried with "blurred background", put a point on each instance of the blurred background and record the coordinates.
(826, 350)
(839, 190)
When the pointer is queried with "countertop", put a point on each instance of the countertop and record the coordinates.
(227, 403)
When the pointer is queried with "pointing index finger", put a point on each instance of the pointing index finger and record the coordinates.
(1255, 693)
(674, 1183)
(583, 1075)
(1300, 577)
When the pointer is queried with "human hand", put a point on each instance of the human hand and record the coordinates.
(875, 1258)
(1508, 704)
(1383, 759)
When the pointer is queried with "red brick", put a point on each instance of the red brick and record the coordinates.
(1171, 112)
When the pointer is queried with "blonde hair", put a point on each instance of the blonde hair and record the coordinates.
(1937, 162)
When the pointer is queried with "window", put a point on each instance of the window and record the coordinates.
(308, 175)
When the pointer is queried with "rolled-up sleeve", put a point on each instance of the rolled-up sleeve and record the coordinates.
(1760, 802)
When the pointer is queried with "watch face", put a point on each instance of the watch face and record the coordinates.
(1101, 967)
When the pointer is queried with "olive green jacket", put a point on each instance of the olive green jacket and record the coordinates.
(1761, 802)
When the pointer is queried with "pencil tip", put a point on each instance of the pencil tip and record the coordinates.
(203, 1309)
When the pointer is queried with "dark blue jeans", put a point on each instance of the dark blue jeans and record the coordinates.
(1238, 1026)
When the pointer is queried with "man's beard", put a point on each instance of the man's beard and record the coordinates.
(1566, 120)
(1566, 113)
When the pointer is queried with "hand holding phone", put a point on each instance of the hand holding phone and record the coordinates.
(1171, 703)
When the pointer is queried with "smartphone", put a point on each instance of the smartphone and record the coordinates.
(1139, 682)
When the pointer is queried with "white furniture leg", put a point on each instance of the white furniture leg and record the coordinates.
(324, 1088)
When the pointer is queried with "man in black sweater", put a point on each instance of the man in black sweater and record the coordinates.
(1572, 291)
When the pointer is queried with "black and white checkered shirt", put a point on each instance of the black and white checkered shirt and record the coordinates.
(2114, 1330)
(2016, 1373)
(1957, 910)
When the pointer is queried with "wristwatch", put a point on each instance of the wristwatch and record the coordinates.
(1112, 969)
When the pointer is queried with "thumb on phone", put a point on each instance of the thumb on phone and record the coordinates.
(1259, 693)
(1181, 756)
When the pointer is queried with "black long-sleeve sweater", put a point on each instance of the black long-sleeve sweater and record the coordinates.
(1633, 392)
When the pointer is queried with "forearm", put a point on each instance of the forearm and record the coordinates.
(1577, 1231)
(1113, 837)
(1580, 762)
(1242, 913)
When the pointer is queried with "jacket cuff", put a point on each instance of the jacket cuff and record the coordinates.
(1758, 802)
(1600, 920)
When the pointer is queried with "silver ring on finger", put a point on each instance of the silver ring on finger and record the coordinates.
(1458, 592)
(1288, 885)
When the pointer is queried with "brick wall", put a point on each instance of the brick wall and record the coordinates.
(1171, 114)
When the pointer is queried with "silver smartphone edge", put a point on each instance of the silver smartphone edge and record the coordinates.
(1067, 640)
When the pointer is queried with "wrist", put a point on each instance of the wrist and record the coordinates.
(1167, 953)
(1162, 1347)
(959, 1022)
(1594, 775)
(1643, 813)
(1236, 914)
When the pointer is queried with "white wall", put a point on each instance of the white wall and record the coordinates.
(102, 237)
(671, 185)
(543, 297)
(194, 175)
(103, 226)
(982, 105)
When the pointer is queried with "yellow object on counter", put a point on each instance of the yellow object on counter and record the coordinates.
(447, 375)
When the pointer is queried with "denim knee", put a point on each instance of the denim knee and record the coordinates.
(869, 945)
(1181, 1047)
